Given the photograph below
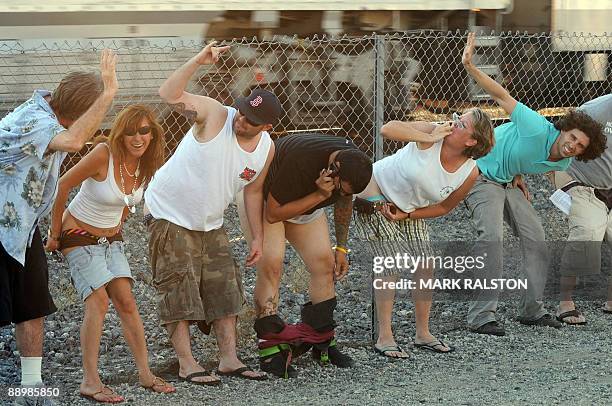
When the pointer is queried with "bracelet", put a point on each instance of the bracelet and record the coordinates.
(341, 249)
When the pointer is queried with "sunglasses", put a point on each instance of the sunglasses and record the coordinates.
(457, 121)
(142, 131)
(249, 122)
(335, 173)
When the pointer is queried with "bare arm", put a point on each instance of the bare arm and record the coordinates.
(448, 204)
(91, 165)
(253, 204)
(276, 212)
(73, 139)
(497, 91)
(415, 131)
(343, 209)
(391, 212)
(172, 91)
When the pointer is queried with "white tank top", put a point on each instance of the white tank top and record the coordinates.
(101, 204)
(413, 178)
(201, 179)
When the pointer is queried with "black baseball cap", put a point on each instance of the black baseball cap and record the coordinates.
(260, 107)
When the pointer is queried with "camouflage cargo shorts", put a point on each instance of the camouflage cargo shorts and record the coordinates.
(194, 273)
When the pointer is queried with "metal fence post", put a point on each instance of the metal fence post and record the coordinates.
(379, 95)
(379, 113)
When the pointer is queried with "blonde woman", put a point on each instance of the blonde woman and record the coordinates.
(426, 178)
(88, 233)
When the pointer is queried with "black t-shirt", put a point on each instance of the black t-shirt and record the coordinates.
(298, 160)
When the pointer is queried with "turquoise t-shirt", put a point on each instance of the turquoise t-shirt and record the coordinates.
(522, 146)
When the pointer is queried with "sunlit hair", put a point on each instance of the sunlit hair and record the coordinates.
(576, 119)
(75, 94)
(483, 134)
(128, 121)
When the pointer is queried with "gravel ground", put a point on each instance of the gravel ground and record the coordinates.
(528, 366)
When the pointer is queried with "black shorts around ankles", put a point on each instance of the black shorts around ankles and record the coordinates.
(24, 290)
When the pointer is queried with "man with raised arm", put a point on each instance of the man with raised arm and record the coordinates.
(226, 150)
(528, 144)
(35, 138)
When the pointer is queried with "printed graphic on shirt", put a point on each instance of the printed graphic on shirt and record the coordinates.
(10, 218)
(445, 191)
(29, 126)
(8, 178)
(247, 174)
(32, 189)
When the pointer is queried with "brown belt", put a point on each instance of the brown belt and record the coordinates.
(77, 237)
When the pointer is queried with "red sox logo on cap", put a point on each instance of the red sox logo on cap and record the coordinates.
(256, 101)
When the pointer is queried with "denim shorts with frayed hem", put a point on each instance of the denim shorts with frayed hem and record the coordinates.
(93, 266)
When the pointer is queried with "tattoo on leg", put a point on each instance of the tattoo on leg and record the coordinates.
(268, 307)
(186, 111)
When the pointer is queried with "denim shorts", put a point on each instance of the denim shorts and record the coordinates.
(93, 266)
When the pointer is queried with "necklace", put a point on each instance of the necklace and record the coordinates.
(129, 199)
(136, 172)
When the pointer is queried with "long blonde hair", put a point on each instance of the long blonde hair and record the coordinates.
(128, 120)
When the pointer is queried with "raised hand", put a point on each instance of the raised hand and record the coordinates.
(441, 131)
(325, 183)
(210, 54)
(468, 52)
(108, 64)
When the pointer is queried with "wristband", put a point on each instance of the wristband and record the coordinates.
(341, 249)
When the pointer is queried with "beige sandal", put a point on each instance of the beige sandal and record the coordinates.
(106, 391)
(160, 382)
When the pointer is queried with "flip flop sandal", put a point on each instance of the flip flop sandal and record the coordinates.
(92, 397)
(433, 347)
(571, 313)
(157, 381)
(384, 351)
(239, 373)
(189, 379)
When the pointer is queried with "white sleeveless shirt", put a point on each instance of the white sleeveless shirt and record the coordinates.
(201, 179)
(413, 178)
(101, 204)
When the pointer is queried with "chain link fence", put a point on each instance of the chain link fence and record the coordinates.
(345, 86)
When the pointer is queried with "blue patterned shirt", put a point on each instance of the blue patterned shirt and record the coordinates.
(28, 172)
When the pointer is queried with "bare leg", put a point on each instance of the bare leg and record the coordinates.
(385, 299)
(608, 305)
(29, 335)
(181, 341)
(96, 307)
(120, 292)
(312, 242)
(225, 330)
(567, 284)
(422, 307)
(269, 270)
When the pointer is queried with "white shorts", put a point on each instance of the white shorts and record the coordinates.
(307, 218)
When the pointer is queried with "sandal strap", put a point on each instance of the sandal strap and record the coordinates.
(388, 348)
(157, 381)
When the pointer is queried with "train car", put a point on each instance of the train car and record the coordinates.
(323, 82)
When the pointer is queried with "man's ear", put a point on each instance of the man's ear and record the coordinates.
(471, 142)
(267, 127)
